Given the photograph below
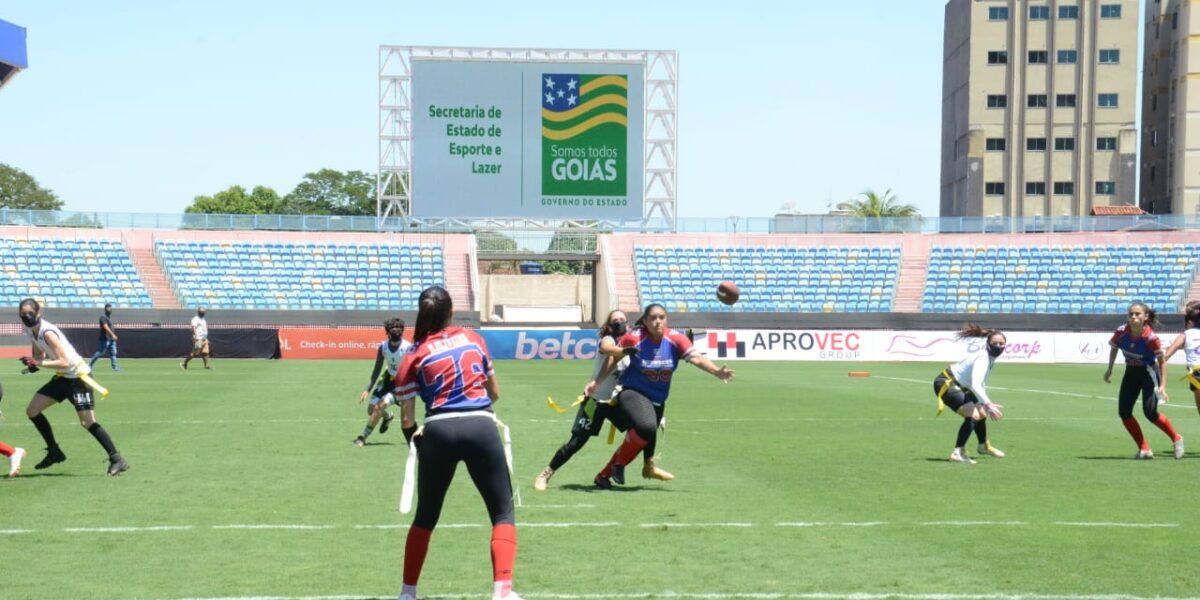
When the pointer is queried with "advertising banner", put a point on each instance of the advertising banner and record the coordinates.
(332, 343)
(541, 344)
(527, 139)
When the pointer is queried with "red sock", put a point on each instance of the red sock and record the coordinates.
(504, 552)
(415, 549)
(1164, 424)
(626, 453)
(6, 450)
(1135, 431)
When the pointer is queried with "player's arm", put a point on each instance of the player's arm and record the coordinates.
(56, 344)
(723, 372)
(374, 373)
(492, 387)
(1176, 344)
(979, 389)
(1162, 374)
(610, 364)
(112, 335)
(1112, 358)
(610, 348)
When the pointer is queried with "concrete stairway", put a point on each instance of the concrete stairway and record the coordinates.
(153, 278)
(910, 282)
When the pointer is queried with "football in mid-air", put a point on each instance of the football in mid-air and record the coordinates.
(728, 292)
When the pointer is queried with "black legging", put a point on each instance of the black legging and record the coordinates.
(1138, 379)
(635, 411)
(473, 440)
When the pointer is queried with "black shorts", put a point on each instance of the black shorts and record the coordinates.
(955, 397)
(591, 416)
(75, 390)
(385, 386)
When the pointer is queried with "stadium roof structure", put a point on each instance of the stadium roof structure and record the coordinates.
(12, 51)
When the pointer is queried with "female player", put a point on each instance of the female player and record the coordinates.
(597, 403)
(14, 454)
(450, 369)
(52, 351)
(654, 352)
(1144, 374)
(1189, 342)
(391, 352)
(961, 386)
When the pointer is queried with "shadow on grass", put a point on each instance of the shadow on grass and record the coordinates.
(588, 488)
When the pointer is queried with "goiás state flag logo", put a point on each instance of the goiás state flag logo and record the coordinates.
(585, 133)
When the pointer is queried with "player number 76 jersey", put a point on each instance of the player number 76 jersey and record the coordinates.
(447, 370)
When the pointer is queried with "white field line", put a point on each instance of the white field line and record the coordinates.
(1105, 524)
(831, 524)
(302, 527)
(974, 523)
(126, 529)
(699, 525)
(737, 596)
(566, 525)
(1112, 398)
(16, 531)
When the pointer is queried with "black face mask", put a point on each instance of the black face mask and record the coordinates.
(995, 351)
(201, 313)
(29, 320)
(618, 329)
(108, 313)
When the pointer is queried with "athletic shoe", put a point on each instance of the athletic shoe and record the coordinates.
(650, 470)
(387, 420)
(510, 596)
(543, 479)
(183, 366)
(360, 441)
(960, 455)
(618, 474)
(208, 367)
(53, 456)
(988, 448)
(1179, 447)
(117, 369)
(117, 466)
(14, 462)
(602, 483)
(1144, 455)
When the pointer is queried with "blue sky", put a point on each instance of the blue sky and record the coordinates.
(140, 106)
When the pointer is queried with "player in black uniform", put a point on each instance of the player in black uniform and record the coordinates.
(391, 351)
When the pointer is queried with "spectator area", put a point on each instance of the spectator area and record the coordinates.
(1079, 279)
(69, 273)
(299, 275)
(771, 278)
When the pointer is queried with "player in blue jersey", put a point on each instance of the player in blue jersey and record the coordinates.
(391, 351)
(1145, 374)
(961, 386)
(654, 352)
(450, 370)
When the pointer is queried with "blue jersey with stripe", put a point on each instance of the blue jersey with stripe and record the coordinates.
(448, 370)
(650, 370)
(1139, 351)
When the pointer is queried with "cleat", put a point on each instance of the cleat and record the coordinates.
(53, 456)
(618, 474)
(117, 466)
(510, 596)
(602, 483)
(207, 367)
(960, 455)
(360, 441)
(1144, 455)
(543, 479)
(117, 369)
(1179, 447)
(183, 366)
(650, 470)
(387, 420)
(14, 462)
(989, 449)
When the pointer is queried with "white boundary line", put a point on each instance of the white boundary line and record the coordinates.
(1139, 525)
(740, 595)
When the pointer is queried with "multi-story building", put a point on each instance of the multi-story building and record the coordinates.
(1038, 107)
(1171, 109)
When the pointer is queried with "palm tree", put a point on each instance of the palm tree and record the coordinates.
(877, 205)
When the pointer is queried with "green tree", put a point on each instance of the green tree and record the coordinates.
(235, 201)
(570, 242)
(20, 190)
(873, 204)
(330, 192)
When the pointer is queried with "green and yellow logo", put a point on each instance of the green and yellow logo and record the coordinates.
(585, 134)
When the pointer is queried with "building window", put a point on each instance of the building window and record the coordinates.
(998, 13)
(994, 188)
(1108, 57)
(1107, 101)
(1036, 101)
(998, 57)
(1175, 20)
(1106, 188)
(1039, 13)
(1035, 188)
(1068, 12)
(1106, 143)
(1152, 172)
(1110, 11)
(1065, 143)
(1064, 100)
(997, 101)
(1067, 57)
(1038, 57)
(1153, 102)
(996, 144)
(1153, 137)
(1064, 188)
(1035, 144)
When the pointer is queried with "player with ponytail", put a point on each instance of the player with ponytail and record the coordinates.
(961, 386)
(1145, 374)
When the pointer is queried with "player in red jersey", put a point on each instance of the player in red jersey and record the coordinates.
(450, 370)
(654, 352)
(14, 454)
(1145, 373)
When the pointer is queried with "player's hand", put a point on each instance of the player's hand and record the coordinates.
(629, 351)
(363, 396)
(589, 388)
(725, 374)
(1108, 376)
(994, 411)
(30, 364)
(1162, 394)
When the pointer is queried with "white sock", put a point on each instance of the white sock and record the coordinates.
(501, 589)
(411, 590)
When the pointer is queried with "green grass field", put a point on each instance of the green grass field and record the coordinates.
(794, 481)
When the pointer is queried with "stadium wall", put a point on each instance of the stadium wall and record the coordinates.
(536, 290)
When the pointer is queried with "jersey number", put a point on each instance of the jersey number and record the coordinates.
(438, 372)
(663, 376)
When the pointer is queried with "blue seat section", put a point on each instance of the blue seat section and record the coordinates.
(299, 276)
(771, 278)
(64, 273)
(1084, 279)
